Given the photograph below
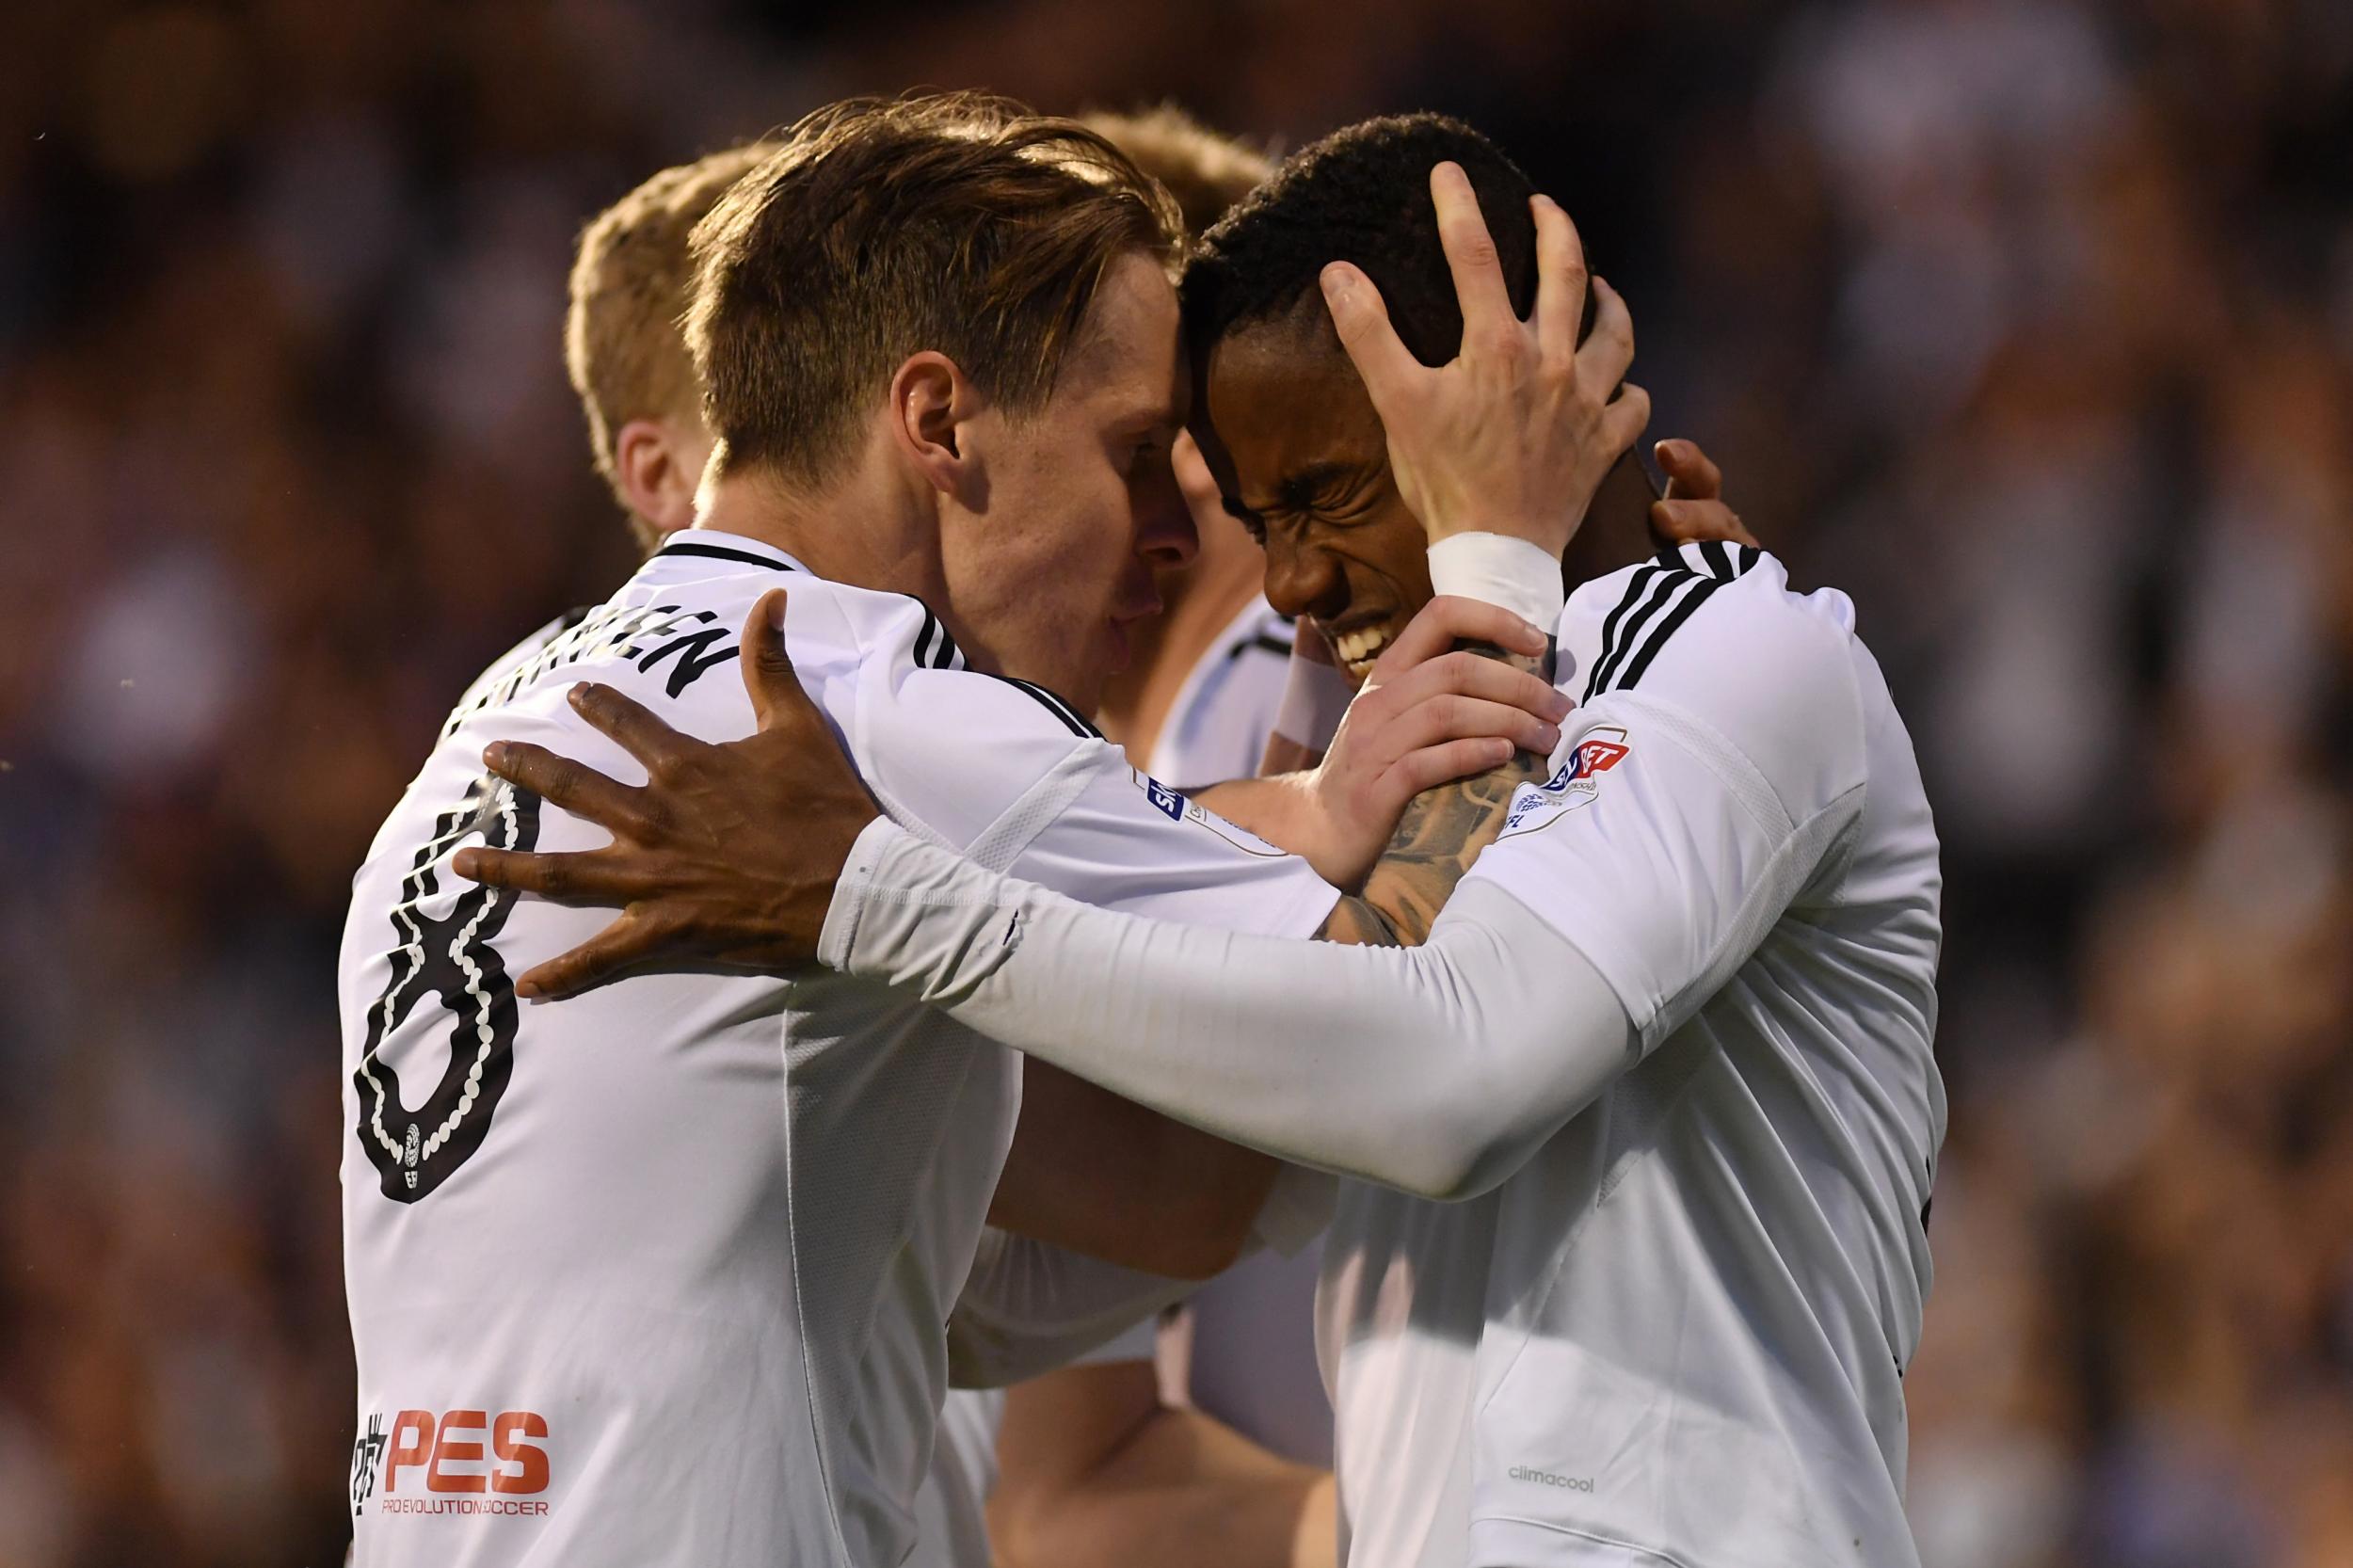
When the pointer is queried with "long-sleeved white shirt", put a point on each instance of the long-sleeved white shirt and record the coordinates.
(1673, 1034)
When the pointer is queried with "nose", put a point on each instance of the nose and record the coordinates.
(1165, 536)
(1301, 579)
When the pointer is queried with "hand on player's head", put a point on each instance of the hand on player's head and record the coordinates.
(727, 853)
(1513, 434)
(1694, 507)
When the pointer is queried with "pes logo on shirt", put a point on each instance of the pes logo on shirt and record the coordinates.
(1573, 784)
(471, 1462)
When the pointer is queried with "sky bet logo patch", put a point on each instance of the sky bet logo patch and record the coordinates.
(1173, 805)
(1534, 805)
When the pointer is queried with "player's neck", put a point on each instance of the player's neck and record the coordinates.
(845, 535)
(1616, 531)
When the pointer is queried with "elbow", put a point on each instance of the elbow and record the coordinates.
(1445, 1171)
(1464, 1141)
(1498, 1104)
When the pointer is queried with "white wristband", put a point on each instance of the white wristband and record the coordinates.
(1315, 697)
(1511, 573)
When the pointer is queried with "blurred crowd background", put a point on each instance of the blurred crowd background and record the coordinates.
(2027, 322)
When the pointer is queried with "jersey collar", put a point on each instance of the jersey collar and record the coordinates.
(709, 543)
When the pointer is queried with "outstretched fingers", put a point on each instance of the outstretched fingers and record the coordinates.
(1470, 255)
(1359, 316)
(579, 877)
(1682, 521)
(1452, 716)
(1692, 475)
(1608, 348)
(1446, 620)
(1466, 674)
(1431, 766)
(1560, 281)
(574, 786)
(634, 727)
(1623, 421)
(629, 940)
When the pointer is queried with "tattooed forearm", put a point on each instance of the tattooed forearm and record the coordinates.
(1436, 839)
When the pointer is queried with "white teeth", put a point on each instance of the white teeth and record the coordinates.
(1359, 648)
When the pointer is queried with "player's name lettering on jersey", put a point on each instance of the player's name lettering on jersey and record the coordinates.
(690, 641)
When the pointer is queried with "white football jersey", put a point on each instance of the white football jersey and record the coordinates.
(1250, 1333)
(1218, 726)
(1667, 1052)
(951, 1505)
(1687, 1342)
(658, 1275)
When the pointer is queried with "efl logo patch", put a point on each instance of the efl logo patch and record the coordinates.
(1574, 784)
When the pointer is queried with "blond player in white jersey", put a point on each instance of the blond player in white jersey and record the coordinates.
(683, 1300)
(1656, 1099)
(628, 362)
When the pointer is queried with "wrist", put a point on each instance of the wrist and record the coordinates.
(1514, 574)
(1345, 847)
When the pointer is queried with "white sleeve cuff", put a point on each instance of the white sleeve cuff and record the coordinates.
(1511, 573)
(839, 935)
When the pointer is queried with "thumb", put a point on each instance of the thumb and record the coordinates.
(1361, 317)
(767, 669)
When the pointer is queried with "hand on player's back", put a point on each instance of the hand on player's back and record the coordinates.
(1512, 435)
(727, 853)
(1693, 506)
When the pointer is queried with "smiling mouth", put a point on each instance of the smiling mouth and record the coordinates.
(1359, 648)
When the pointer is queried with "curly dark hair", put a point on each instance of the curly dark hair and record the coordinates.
(1362, 195)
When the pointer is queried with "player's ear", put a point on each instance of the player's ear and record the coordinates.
(654, 476)
(931, 403)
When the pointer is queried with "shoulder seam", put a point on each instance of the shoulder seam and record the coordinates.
(1071, 718)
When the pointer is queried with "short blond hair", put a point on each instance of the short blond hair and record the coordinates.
(1207, 172)
(632, 280)
(956, 222)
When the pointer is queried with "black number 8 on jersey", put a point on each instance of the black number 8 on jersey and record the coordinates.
(451, 961)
